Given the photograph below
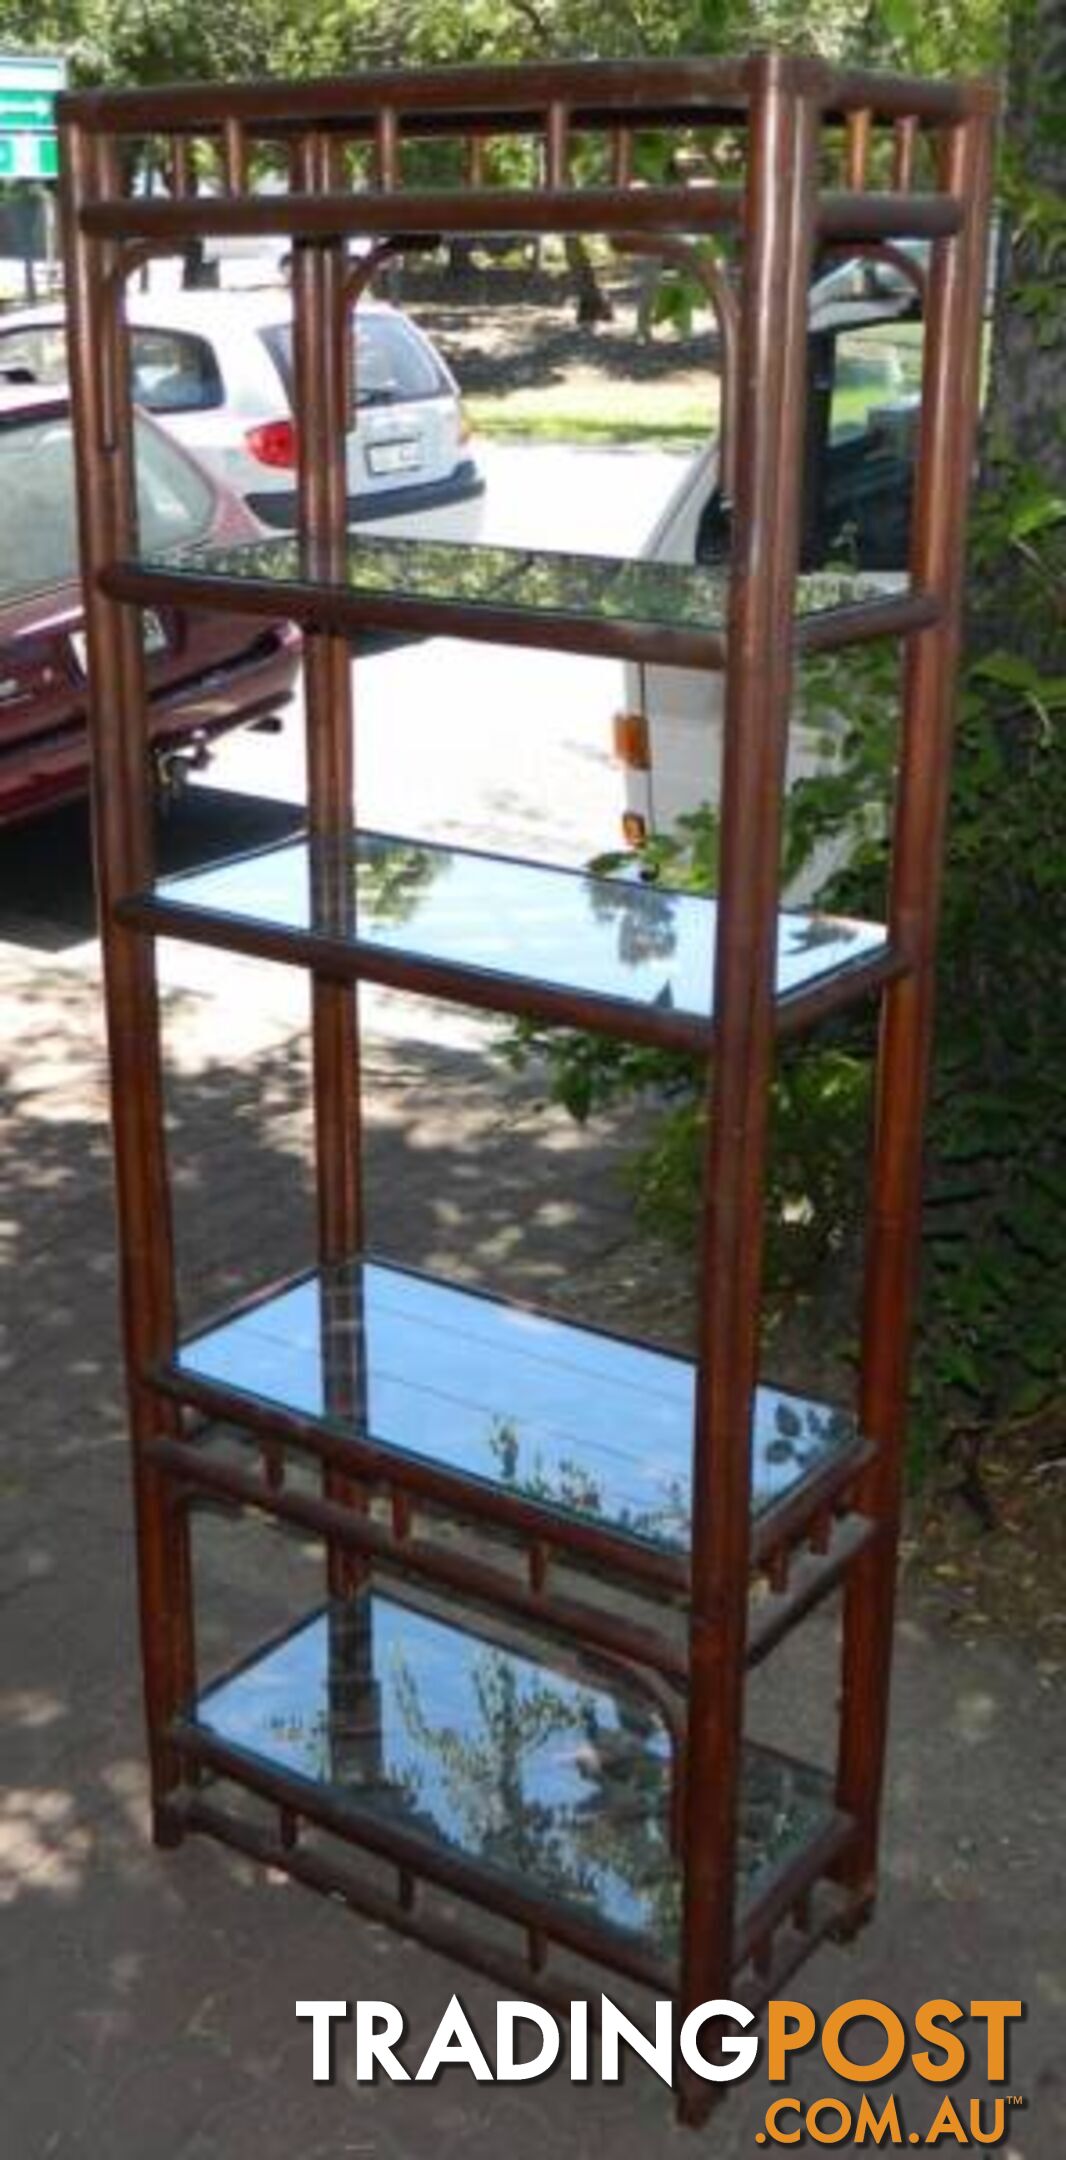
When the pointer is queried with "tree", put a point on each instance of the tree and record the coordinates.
(997, 1218)
(1025, 431)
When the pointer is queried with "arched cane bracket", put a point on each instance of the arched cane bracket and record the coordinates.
(361, 273)
(128, 257)
(358, 280)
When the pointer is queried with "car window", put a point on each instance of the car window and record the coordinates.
(863, 513)
(34, 355)
(392, 365)
(175, 500)
(38, 536)
(173, 371)
(857, 495)
(277, 338)
(878, 368)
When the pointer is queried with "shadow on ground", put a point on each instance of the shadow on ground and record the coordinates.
(47, 902)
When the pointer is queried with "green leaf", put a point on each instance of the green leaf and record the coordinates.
(1037, 516)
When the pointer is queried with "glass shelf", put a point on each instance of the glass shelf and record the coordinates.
(613, 605)
(550, 1776)
(614, 953)
(588, 1426)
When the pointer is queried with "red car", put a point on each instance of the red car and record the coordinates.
(206, 672)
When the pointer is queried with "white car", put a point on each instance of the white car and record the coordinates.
(216, 369)
(863, 411)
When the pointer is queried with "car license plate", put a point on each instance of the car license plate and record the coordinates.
(152, 632)
(390, 457)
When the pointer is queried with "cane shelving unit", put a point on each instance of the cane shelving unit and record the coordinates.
(595, 1537)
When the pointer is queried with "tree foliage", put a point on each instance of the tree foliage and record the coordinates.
(153, 41)
(997, 1244)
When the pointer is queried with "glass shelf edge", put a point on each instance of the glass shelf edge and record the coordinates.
(513, 997)
(483, 990)
(644, 1563)
(337, 607)
(779, 1520)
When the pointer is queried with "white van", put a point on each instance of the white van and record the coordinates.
(865, 362)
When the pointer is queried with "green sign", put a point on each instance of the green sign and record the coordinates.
(29, 157)
(29, 84)
(25, 108)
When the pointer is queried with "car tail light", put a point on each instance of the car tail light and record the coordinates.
(631, 745)
(273, 443)
(465, 425)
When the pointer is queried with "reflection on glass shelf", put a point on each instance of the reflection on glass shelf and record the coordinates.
(603, 588)
(614, 938)
(585, 1423)
(556, 1781)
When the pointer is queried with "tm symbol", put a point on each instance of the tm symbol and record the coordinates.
(1015, 2100)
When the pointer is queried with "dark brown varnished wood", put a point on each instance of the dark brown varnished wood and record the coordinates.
(123, 857)
(682, 210)
(949, 409)
(769, 422)
(505, 99)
